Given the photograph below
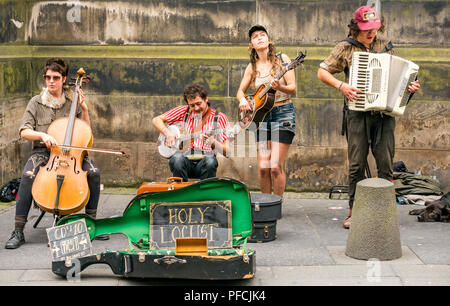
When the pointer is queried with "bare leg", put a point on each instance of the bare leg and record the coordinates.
(264, 178)
(277, 160)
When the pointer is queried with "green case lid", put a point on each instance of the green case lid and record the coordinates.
(135, 221)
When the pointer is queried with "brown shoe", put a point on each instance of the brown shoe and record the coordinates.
(347, 222)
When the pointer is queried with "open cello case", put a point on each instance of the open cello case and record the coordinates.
(196, 232)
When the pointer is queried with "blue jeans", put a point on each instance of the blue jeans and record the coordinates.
(182, 167)
(278, 125)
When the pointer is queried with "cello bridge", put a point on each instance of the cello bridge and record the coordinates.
(63, 163)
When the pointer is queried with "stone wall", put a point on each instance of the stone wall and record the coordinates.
(154, 48)
(15, 79)
(210, 21)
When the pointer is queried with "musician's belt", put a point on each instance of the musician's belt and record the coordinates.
(195, 156)
(284, 102)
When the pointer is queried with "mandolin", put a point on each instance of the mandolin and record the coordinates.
(262, 102)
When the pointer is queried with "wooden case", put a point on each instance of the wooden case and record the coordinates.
(171, 184)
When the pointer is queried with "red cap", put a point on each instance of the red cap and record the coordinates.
(367, 18)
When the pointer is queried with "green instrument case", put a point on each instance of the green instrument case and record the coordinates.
(147, 258)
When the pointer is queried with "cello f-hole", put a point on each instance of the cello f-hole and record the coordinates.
(75, 165)
(53, 162)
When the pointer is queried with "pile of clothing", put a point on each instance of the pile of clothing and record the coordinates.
(8, 192)
(411, 188)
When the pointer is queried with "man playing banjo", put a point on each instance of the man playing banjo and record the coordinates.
(197, 158)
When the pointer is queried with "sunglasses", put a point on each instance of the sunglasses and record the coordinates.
(370, 31)
(55, 78)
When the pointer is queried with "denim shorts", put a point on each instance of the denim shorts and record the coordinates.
(278, 125)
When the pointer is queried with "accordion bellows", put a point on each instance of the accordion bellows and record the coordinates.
(383, 80)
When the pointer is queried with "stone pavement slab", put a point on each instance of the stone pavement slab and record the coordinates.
(309, 250)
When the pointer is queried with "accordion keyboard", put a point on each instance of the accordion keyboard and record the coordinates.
(383, 81)
(362, 80)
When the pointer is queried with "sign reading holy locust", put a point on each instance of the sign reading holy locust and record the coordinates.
(208, 219)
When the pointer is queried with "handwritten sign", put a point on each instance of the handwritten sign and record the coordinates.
(70, 240)
(208, 219)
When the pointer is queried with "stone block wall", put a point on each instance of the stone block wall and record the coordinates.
(209, 21)
(140, 55)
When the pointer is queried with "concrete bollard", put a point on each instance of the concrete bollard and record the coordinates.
(374, 230)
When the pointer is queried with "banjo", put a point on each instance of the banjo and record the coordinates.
(180, 140)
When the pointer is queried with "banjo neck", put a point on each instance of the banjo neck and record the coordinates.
(197, 134)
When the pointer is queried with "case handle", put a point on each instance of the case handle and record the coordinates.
(174, 179)
(169, 260)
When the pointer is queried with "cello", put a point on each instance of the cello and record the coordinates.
(61, 187)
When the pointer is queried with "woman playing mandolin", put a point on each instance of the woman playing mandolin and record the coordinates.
(52, 103)
(275, 134)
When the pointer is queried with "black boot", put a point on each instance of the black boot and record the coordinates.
(16, 240)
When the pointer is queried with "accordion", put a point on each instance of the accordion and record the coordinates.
(383, 80)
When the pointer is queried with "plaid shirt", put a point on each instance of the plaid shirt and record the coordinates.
(340, 58)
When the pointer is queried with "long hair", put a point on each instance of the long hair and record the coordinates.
(271, 55)
(354, 30)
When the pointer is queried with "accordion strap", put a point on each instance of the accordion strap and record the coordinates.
(355, 43)
(389, 46)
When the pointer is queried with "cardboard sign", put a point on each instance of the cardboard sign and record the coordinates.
(70, 240)
(208, 219)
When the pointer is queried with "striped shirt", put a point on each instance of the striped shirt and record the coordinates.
(176, 116)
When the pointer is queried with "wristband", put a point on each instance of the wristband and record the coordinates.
(340, 85)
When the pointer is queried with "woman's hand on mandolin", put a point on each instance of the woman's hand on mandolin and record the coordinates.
(275, 84)
(244, 105)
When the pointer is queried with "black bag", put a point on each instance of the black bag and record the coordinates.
(400, 167)
(266, 210)
(8, 192)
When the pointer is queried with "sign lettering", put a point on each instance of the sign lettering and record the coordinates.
(70, 240)
(208, 219)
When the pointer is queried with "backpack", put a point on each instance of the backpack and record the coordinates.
(8, 192)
